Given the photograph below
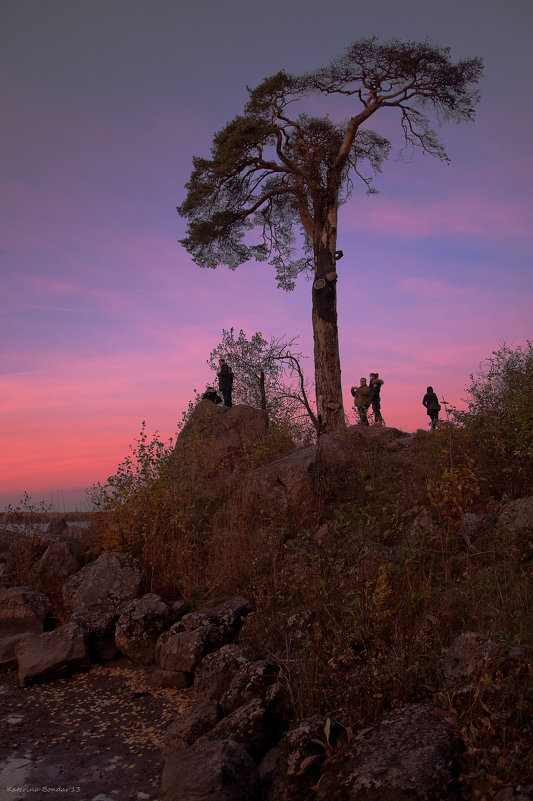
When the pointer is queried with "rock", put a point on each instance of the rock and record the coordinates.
(171, 679)
(423, 529)
(216, 671)
(60, 560)
(22, 610)
(214, 436)
(210, 771)
(184, 650)
(100, 630)
(412, 755)
(517, 516)
(475, 527)
(104, 584)
(193, 724)
(53, 655)
(229, 616)
(467, 657)
(139, 626)
(8, 649)
(299, 762)
(253, 726)
(268, 768)
(516, 520)
(252, 680)
(290, 485)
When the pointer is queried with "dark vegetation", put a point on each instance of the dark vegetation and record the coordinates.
(360, 614)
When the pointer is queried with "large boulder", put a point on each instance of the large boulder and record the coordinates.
(60, 560)
(190, 726)
(254, 726)
(53, 655)
(289, 485)
(22, 610)
(228, 616)
(105, 584)
(211, 771)
(140, 624)
(8, 651)
(217, 670)
(412, 755)
(252, 680)
(100, 630)
(183, 651)
(297, 761)
(214, 436)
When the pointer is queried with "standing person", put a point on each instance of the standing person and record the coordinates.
(431, 402)
(375, 399)
(225, 381)
(361, 402)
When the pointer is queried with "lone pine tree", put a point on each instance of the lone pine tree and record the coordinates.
(278, 173)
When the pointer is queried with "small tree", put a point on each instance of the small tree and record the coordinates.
(278, 171)
(268, 374)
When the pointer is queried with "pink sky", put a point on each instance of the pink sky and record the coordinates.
(105, 322)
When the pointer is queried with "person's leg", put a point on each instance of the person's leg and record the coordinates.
(226, 394)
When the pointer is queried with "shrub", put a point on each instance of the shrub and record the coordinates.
(499, 418)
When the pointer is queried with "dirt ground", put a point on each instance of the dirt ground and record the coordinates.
(95, 736)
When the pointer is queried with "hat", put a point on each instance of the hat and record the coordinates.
(210, 389)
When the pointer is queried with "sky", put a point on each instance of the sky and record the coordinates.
(105, 322)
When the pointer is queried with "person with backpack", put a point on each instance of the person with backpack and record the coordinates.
(433, 407)
(375, 399)
(225, 381)
(361, 395)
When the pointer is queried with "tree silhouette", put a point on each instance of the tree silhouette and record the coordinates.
(277, 172)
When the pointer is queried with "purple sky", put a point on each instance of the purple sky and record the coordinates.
(106, 322)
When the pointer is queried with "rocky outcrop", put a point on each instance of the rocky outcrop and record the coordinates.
(210, 771)
(214, 436)
(23, 610)
(413, 754)
(53, 655)
(103, 585)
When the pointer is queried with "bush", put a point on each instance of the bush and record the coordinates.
(499, 419)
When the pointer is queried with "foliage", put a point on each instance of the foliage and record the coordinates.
(26, 523)
(499, 418)
(268, 375)
(152, 508)
(270, 170)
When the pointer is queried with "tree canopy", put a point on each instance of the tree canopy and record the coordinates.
(276, 172)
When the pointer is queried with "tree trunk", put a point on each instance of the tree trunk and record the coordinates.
(325, 330)
(262, 389)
